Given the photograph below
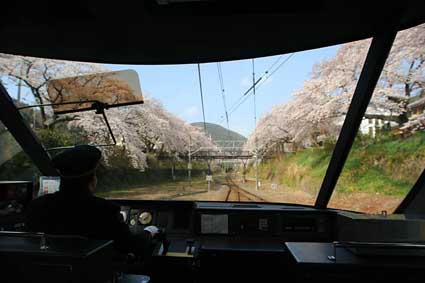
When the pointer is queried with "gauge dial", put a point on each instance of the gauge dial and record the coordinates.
(132, 222)
(145, 218)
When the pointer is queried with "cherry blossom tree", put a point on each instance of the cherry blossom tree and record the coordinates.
(319, 107)
(141, 129)
(35, 73)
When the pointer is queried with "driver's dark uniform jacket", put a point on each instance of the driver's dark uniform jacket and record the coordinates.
(74, 212)
(83, 215)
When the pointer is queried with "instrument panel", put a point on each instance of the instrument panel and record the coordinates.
(263, 221)
(175, 219)
(210, 219)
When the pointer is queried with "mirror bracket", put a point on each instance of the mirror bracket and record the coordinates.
(97, 106)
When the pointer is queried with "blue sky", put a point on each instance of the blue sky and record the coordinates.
(177, 87)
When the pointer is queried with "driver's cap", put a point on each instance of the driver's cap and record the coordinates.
(80, 161)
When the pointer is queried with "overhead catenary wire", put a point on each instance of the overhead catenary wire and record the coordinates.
(275, 62)
(275, 70)
(267, 76)
(258, 83)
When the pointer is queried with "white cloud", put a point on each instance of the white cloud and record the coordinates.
(269, 80)
(246, 82)
(192, 111)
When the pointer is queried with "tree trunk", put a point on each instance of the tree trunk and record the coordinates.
(39, 100)
(407, 89)
(173, 166)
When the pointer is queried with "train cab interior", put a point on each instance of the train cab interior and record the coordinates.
(243, 237)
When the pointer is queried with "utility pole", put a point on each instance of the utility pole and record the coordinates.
(20, 84)
(189, 165)
(34, 118)
(19, 90)
(255, 129)
(209, 177)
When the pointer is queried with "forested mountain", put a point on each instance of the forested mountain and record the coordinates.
(219, 133)
(142, 129)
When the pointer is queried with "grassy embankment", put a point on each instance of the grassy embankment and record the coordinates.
(165, 189)
(121, 181)
(386, 165)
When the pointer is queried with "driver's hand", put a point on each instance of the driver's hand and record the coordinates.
(153, 230)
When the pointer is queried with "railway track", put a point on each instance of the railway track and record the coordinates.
(238, 194)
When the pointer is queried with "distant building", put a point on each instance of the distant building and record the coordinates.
(374, 120)
(417, 107)
(370, 126)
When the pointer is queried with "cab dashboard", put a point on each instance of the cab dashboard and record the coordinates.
(256, 242)
(221, 220)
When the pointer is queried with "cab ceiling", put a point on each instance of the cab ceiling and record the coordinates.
(178, 32)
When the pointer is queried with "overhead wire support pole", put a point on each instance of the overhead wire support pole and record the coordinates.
(203, 110)
(223, 95)
(372, 68)
(20, 84)
(255, 126)
(202, 96)
(189, 164)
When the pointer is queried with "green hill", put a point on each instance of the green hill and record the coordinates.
(219, 133)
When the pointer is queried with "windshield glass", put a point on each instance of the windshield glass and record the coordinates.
(14, 163)
(388, 154)
(204, 132)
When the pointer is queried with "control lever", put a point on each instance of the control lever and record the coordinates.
(131, 258)
(162, 238)
(190, 246)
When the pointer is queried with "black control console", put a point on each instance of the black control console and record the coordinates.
(201, 220)
(204, 230)
(14, 198)
(263, 221)
(36, 257)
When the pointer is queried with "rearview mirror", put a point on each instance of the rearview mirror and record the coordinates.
(82, 93)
